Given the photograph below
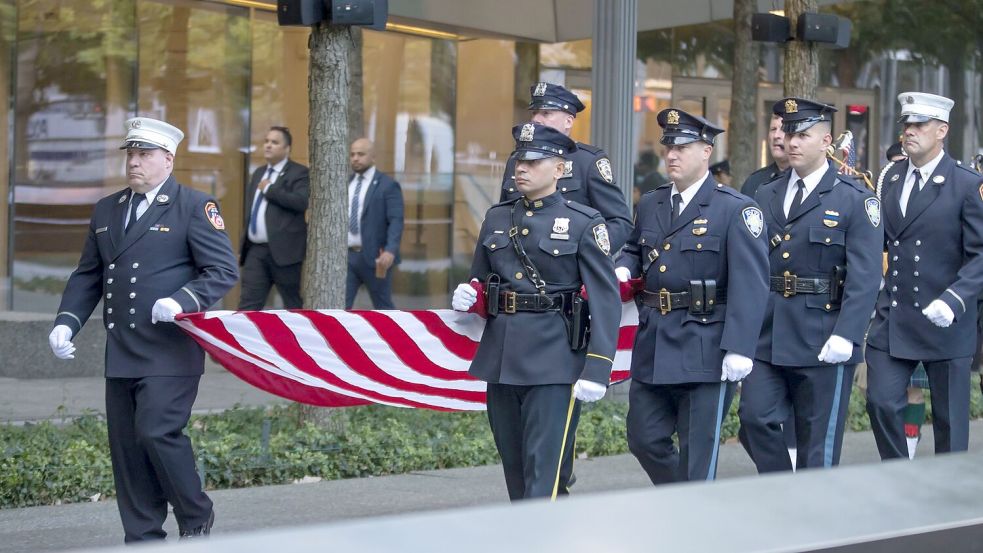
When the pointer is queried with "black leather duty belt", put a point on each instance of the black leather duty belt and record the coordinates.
(512, 302)
(665, 301)
(790, 285)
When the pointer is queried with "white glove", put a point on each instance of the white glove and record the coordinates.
(164, 311)
(588, 391)
(939, 313)
(837, 350)
(623, 273)
(61, 344)
(735, 367)
(464, 297)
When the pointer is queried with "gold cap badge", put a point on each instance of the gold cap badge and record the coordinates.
(791, 106)
(672, 118)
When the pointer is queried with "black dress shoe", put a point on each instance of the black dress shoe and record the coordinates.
(201, 531)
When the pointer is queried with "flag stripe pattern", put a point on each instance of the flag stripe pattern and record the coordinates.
(337, 358)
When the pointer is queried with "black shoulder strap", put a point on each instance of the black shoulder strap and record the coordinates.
(531, 271)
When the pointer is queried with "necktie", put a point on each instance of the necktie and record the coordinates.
(256, 203)
(797, 198)
(353, 214)
(134, 203)
(915, 189)
(677, 202)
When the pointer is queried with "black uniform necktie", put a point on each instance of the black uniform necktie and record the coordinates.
(135, 201)
(353, 215)
(677, 202)
(915, 189)
(797, 198)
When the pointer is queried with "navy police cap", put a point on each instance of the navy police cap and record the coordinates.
(554, 96)
(681, 128)
(799, 114)
(535, 141)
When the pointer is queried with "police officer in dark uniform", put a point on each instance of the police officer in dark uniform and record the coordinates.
(824, 232)
(926, 312)
(533, 256)
(700, 250)
(154, 250)
(587, 179)
(779, 157)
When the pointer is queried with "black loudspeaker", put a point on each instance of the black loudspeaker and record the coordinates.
(367, 13)
(299, 12)
(768, 27)
(826, 29)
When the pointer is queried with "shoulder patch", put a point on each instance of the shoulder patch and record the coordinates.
(754, 220)
(873, 208)
(602, 239)
(604, 168)
(981, 191)
(213, 216)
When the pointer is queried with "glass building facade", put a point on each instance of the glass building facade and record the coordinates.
(438, 106)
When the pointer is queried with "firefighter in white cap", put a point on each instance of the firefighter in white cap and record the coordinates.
(926, 311)
(153, 250)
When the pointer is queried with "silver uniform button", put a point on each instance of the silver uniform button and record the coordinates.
(894, 288)
(916, 304)
(133, 311)
(916, 288)
(112, 266)
(133, 295)
(916, 273)
(894, 273)
(133, 279)
(894, 304)
(918, 242)
(132, 325)
(110, 326)
(895, 258)
(109, 281)
(896, 243)
(917, 259)
(109, 311)
(109, 296)
(136, 265)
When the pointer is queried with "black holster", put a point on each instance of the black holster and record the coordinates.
(492, 288)
(577, 317)
(836, 279)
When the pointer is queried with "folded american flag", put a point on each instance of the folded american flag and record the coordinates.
(337, 358)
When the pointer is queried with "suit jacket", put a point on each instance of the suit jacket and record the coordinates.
(759, 178)
(838, 224)
(286, 202)
(179, 249)
(381, 221)
(588, 180)
(936, 252)
(718, 236)
(568, 243)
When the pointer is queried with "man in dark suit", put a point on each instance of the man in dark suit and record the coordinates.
(779, 163)
(375, 228)
(153, 251)
(824, 233)
(699, 247)
(275, 240)
(926, 311)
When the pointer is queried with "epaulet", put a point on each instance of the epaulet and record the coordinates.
(661, 186)
(505, 203)
(779, 176)
(853, 181)
(968, 169)
(586, 210)
(762, 170)
(729, 191)
(590, 149)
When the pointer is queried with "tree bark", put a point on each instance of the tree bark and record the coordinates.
(744, 94)
(801, 58)
(356, 103)
(326, 265)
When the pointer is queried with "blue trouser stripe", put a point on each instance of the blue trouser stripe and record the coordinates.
(712, 473)
(834, 414)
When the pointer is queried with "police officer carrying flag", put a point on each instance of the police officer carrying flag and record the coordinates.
(926, 312)
(699, 247)
(534, 255)
(824, 232)
(153, 250)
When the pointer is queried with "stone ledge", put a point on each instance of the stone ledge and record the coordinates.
(26, 354)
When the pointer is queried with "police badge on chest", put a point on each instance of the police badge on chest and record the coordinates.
(561, 228)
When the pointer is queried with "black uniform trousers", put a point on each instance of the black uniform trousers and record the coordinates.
(153, 463)
(818, 400)
(694, 411)
(530, 425)
(260, 273)
(887, 382)
(362, 272)
(567, 478)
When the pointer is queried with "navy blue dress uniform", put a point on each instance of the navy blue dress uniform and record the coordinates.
(934, 252)
(531, 352)
(825, 269)
(588, 178)
(177, 248)
(760, 177)
(705, 277)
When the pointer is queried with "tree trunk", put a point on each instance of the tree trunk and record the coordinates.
(356, 104)
(744, 94)
(959, 115)
(327, 240)
(801, 58)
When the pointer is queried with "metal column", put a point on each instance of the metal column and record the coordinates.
(613, 81)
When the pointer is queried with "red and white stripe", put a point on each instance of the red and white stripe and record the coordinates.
(337, 358)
